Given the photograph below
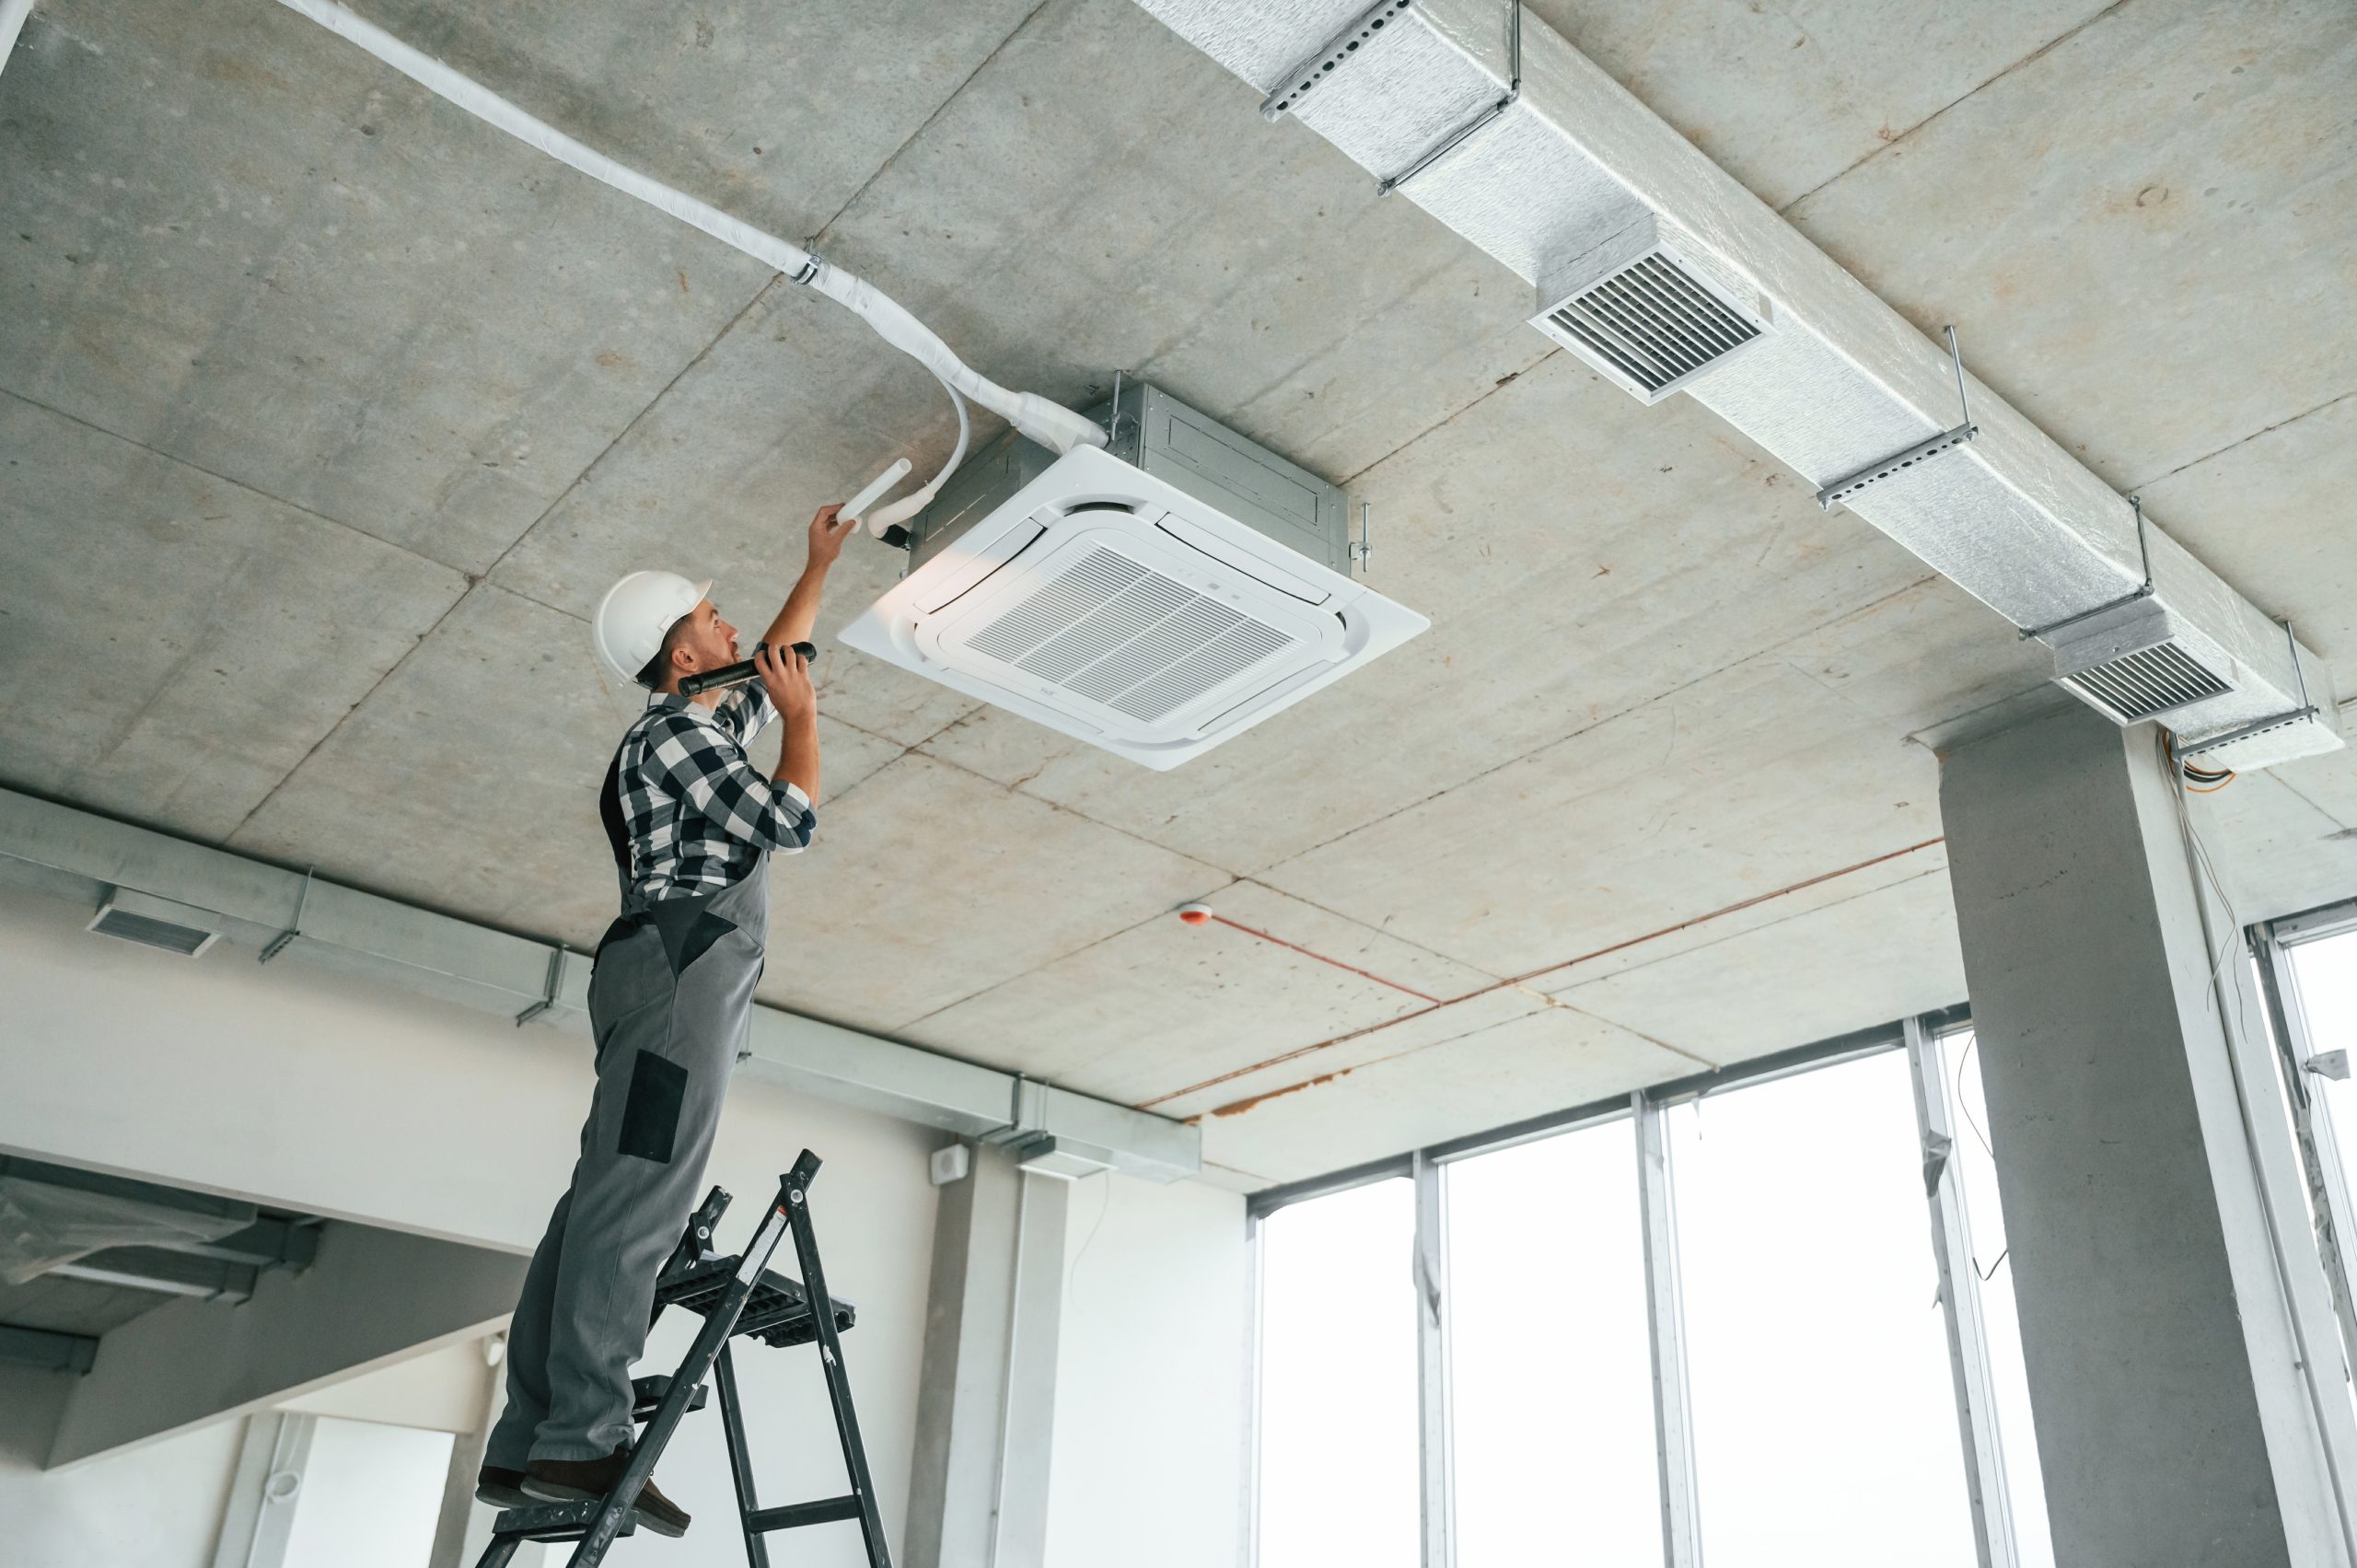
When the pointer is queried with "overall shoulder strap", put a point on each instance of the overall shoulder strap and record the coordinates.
(610, 812)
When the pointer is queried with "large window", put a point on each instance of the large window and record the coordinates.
(1338, 1479)
(1550, 1379)
(1992, 1265)
(1825, 1421)
(2316, 981)
(2325, 973)
(1763, 1375)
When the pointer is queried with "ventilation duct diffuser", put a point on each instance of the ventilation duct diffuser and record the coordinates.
(156, 922)
(2139, 662)
(1645, 311)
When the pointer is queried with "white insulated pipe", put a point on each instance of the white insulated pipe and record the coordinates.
(1053, 426)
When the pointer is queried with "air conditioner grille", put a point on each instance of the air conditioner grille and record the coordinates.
(2149, 680)
(1651, 322)
(1241, 647)
(1116, 632)
(185, 940)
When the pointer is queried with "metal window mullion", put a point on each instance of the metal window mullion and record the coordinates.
(1975, 1394)
(1435, 1473)
(1681, 1528)
(1257, 1310)
(2312, 1129)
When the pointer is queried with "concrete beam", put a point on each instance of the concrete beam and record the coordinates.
(372, 1297)
(77, 853)
(2184, 1365)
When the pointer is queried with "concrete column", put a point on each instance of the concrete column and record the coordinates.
(978, 1486)
(2139, 1157)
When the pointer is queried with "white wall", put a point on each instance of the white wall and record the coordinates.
(155, 1507)
(357, 1101)
(443, 1390)
(1150, 1440)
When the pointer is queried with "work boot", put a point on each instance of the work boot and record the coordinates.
(500, 1488)
(585, 1480)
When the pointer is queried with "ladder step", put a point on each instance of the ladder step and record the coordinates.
(646, 1393)
(796, 1515)
(555, 1521)
(778, 1313)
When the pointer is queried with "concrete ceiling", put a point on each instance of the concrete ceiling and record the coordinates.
(326, 413)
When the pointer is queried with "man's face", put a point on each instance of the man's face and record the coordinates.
(711, 641)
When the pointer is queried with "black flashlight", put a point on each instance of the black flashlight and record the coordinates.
(736, 674)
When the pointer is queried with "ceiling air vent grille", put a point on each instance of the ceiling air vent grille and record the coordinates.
(156, 922)
(1652, 323)
(1121, 633)
(2149, 681)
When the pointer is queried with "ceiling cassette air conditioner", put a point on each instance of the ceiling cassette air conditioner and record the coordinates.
(1646, 310)
(1155, 598)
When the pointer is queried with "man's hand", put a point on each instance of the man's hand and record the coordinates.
(787, 677)
(798, 618)
(827, 531)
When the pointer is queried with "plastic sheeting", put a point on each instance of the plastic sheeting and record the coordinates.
(43, 1225)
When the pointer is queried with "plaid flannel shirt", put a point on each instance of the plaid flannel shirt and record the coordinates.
(696, 813)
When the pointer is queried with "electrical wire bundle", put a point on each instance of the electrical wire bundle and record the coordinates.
(2200, 780)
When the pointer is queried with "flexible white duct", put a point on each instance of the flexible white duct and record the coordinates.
(1053, 426)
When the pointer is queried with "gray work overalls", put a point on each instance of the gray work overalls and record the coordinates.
(670, 1003)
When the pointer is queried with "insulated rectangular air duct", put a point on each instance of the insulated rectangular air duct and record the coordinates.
(1664, 274)
(1156, 597)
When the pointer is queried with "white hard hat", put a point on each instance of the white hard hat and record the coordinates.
(637, 614)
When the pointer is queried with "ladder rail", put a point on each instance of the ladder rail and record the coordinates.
(796, 1189)
(740, 1461)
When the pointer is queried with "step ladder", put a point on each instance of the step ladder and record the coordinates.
(737, 1297)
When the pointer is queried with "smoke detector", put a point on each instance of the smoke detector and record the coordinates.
(1645, 311)
(1155, 598)
(156, 922)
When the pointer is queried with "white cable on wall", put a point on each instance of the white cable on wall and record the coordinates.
(1051, 425)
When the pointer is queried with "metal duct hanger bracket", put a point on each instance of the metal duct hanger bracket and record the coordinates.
(2142, 591)
(1945, 441)
(1363, 29)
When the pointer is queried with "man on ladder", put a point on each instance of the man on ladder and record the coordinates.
(692, 824)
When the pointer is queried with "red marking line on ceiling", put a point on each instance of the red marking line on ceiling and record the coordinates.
(1520, 981)
(1322, 958)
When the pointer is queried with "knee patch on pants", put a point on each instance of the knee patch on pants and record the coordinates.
(651, 1114)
